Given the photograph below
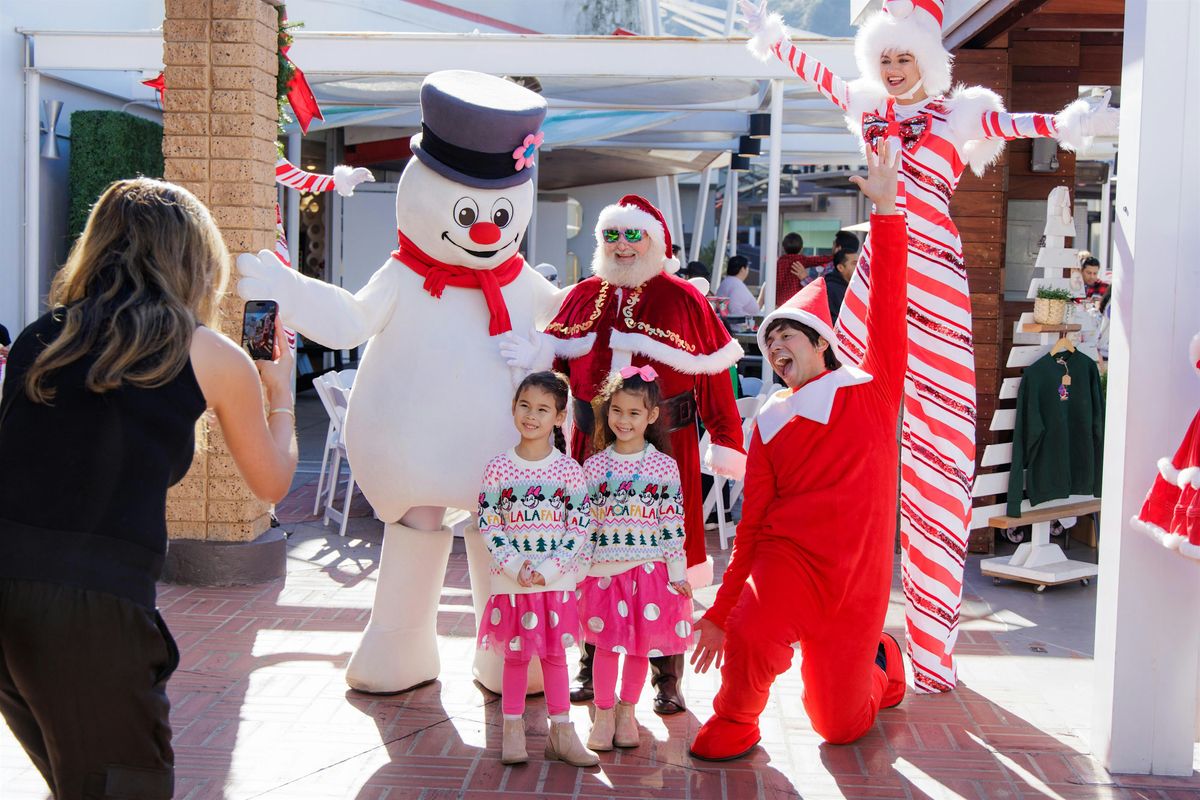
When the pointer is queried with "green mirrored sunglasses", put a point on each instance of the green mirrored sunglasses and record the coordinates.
(612, 235)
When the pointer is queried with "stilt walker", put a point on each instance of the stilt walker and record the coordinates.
(904, 95)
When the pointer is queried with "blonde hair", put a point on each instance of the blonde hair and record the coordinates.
(149, 267)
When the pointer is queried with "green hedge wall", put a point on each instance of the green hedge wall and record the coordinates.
(107, 146)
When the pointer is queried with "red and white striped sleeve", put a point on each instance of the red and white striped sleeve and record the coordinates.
(814, 72)
(1002, 125)
(293, 177)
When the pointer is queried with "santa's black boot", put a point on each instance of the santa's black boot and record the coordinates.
(666, 674)
(581, 687)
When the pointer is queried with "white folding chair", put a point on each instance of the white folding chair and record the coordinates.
(331, 388)
(332, 435)
(747, 408)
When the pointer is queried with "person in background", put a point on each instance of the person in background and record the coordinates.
(5, 341)
(549, 272)
(97, 420)
(838, 279)
(795, 271)
(1093, 287)
(733, 286)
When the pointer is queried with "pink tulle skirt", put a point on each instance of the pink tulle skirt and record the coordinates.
(537, 624)
(636, 612)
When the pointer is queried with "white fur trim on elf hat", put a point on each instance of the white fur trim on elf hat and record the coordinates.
(796, 315)
(917, 34)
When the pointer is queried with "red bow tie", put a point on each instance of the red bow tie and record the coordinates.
(912, 131)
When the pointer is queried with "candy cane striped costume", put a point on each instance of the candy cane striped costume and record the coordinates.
(343, 179)
(938, 138)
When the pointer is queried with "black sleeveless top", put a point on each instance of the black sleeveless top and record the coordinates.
(83, 482)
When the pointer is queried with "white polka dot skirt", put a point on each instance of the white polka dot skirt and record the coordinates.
(539, 623)
(636, 612)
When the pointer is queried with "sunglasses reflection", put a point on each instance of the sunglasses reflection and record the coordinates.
(612, 235)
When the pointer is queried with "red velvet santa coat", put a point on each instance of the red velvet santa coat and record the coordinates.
(812, 560)
(666, 323)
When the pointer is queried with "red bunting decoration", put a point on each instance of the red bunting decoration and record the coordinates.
(159, 85)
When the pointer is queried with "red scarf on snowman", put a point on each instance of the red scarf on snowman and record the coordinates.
(438, 275)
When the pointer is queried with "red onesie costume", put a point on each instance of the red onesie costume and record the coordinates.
(663, 321)
(812, 561)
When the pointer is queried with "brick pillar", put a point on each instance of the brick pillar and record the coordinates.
(219, 133)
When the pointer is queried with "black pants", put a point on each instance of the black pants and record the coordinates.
(83, 679)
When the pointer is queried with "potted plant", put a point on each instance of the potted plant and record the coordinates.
(1050, 307)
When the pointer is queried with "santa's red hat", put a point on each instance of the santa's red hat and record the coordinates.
(912, 26)
(635, 211)
(809, 306)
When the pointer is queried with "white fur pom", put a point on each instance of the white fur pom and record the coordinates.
(1070, 124)
(765, 36)
(1188, 477)
(671, 265)
(1194, 352)
(1168, 472)
(899, 8)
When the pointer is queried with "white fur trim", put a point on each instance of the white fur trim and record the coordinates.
(341, 180)
(702, 285)
(701, 575)
(572, 348)
(1070, 124)
(1171, 541)
(621, 217)
(671, 265)
(967, 105)
(1190, 550)
(899, 8)
(1188, 476)
(917, 34)
(796, 315)
(763, 38)
(710, 364)
(1194, 352)
(725, 461)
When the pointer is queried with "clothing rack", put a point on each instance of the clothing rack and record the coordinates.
(1037, 561)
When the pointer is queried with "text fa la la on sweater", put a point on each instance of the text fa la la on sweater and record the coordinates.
(1058, 437)
(829, 488)
(535, 511)
(638, 507)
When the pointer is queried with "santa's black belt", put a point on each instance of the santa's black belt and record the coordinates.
(677, 412)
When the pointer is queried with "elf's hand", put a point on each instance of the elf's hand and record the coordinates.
(346, 179)
(754, 15)
(710, 648)
(880, 183)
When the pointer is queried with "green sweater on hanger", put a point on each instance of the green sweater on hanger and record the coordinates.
(1058, 440)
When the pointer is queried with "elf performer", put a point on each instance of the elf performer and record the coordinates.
(812, 561)
(904, 95)
(633, 310)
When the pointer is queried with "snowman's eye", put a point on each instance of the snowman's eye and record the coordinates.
(466, 212)
(502, 212)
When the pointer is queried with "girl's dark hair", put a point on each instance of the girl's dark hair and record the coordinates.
(656, 433)
(831, 360)
(554, 383)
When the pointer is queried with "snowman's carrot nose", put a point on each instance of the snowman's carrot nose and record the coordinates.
(485, 233)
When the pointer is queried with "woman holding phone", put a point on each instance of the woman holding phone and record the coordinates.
(97, 420)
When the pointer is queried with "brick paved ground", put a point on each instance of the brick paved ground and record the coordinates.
(260, 708)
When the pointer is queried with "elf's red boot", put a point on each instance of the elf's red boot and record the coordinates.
(722, 739)
(893, 666)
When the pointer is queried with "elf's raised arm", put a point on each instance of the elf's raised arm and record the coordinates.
(768, 35)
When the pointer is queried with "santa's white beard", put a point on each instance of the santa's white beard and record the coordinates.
(632, 275)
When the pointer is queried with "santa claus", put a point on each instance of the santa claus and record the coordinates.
(633, 310)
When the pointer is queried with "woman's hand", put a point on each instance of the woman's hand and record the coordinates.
(710, 648)
(277, 373)
(880, 183)
(683, 587)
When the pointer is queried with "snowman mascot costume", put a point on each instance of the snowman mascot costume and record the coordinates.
(432, 398)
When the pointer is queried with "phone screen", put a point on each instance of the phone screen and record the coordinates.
(258, 329)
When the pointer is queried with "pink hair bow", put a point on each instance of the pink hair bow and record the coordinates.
(646, 373)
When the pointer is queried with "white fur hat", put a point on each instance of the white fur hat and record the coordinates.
(912, 26)
(635, 211)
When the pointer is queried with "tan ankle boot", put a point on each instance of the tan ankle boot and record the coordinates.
(512, 747)
(626, 732)
(563, 745)
(603, 727)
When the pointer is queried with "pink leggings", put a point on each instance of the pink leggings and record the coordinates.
(516, 682)
(604, 677)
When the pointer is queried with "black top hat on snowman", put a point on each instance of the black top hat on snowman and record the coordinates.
(478, 130)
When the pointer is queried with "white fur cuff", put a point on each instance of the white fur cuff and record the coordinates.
(1070, 124)
(764, 35)
(701, 575)
(726, 462)
(571, 348)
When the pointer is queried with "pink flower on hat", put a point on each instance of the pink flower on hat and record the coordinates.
(524, 154)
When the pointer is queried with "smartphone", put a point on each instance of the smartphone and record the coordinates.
(258, 329)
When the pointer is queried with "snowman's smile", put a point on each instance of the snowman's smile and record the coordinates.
(477, 253)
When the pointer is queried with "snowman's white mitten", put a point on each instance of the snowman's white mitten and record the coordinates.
(265, 277)
(346, 179)
(532, 355)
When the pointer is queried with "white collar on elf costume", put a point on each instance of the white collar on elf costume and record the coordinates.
(813, 400)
